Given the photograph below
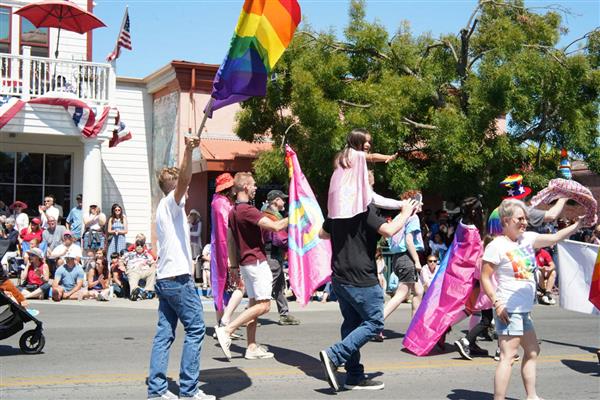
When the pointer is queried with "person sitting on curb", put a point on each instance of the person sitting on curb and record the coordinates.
(68, 280)
(546, 275)
(35, 276)
(140, 265)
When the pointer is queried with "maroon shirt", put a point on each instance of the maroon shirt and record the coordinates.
(243, 221)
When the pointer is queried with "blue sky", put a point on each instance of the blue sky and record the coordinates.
(200, 30)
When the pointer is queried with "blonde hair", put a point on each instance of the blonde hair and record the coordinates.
(165, 177)
(507, 208)
(240, 180)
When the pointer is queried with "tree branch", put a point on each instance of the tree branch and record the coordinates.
(418, 125)
(548, 50)
(579, 39)
(349, 103)
(340, 46)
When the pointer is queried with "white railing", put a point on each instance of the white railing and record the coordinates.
(28, 77)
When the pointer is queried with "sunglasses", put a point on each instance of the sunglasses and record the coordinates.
(67, 236)
(47, 201)
(431, 261)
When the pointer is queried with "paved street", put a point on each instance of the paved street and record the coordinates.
(101, 351)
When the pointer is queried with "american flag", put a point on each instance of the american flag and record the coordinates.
(121, 132)
(9, 107)
(124, 39)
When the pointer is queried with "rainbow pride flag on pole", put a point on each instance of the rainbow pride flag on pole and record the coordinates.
(309, 257)
(263, 32)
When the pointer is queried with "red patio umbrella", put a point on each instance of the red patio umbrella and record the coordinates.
(61, 14)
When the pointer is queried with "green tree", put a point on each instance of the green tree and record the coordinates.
(435, 101)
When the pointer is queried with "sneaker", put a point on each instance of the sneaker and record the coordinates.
(379, 338)
(476, 351)
(165, 396)
(102, 297)
(462, 345)
(329, 370)
(288, 320)
(551, 301)
(200, 395)
(224, 341)
(258, 353)
(545, 300)
(150, 294)
(365, 384)
(516, 358)
(135, 294)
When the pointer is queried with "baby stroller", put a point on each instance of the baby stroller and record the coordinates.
(12, 318)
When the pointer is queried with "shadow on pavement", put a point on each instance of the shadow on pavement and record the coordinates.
(583, 367)
(463, 394)
(223, 382)
(586, 348)
(309, 365)
(9, 351)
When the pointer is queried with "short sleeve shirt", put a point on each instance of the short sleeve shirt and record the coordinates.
(515, 270)
(543, 258)
(68, 277)
(173, 231)
(535, 217)
(243, 221)
(53, 239)
(353, 242)
(397, 242)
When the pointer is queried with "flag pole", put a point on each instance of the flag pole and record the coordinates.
(206, 112)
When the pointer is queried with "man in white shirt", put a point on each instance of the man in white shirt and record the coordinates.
(177, 295)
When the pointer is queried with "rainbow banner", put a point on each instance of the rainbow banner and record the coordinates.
(448, 293)
(309, 257)
(263, 32)
(595, 286)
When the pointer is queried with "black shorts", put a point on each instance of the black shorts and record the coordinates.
(404, 268)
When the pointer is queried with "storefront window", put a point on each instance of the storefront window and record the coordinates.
(31, 176)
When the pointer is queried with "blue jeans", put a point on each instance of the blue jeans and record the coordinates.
(178, 300)
(362, 309)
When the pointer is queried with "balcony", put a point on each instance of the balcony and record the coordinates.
(28, 77)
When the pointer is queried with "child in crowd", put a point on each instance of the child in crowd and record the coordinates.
(206, 266)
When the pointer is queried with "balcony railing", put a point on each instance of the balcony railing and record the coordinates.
(28, 77)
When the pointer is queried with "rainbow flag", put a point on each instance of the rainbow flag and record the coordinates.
(309, 258)
(594, 296)
(263, 32)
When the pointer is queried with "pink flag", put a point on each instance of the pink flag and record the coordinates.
(219, 213)
(309, 258)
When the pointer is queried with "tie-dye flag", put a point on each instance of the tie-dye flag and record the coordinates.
(263, 32)
(309, 258)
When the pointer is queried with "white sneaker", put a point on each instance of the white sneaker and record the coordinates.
(224, 341)
(545, 300)
(165, 396)
(258, 353)
(200, 395)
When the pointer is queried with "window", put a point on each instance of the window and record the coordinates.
(37, 38)
(4, 29)
(31, 176)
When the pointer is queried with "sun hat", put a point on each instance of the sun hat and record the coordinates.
(224, 181)
(18, 203)
(514, 187)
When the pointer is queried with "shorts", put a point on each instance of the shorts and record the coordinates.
(518, 324)
(258, 280)
(404, 268)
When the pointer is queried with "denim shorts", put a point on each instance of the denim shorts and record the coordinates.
(518, 324)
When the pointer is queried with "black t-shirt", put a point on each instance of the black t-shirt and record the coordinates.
(354, 241)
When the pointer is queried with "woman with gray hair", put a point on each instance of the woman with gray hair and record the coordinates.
(512, 258)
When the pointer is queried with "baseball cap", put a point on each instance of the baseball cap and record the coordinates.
(36, 221)
(67, 233)
(273, 194)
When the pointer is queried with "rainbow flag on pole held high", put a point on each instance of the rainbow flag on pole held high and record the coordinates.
(263, 32)
(309, 257)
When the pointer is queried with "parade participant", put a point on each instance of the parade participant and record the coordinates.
(349, 190)
(226, 283)
(276, 247)
(247, 250)
(511, 257)
(178, 299)
(406, 263)
(355, 282)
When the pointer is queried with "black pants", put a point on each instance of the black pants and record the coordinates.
(278, 285)
(484, 323)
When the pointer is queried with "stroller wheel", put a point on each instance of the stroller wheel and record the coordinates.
(32, 342)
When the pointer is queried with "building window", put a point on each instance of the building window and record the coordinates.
(4, 29)
(36, 38)
(31, 176)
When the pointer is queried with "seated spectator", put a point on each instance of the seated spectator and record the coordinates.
(11, 235)
(69, 279)
(98, 282)
(429, 271)
(88, 261)
(140, 265)
(546, 275)
(141, 238)
(595, 239)
(94, 222)
(21, 218)
(33, 231)
(33, 244)
(52, 237)
(67, 246)
(437, 246)
(49, 210)
(120, 284)
(206, 266)
(35, 277)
